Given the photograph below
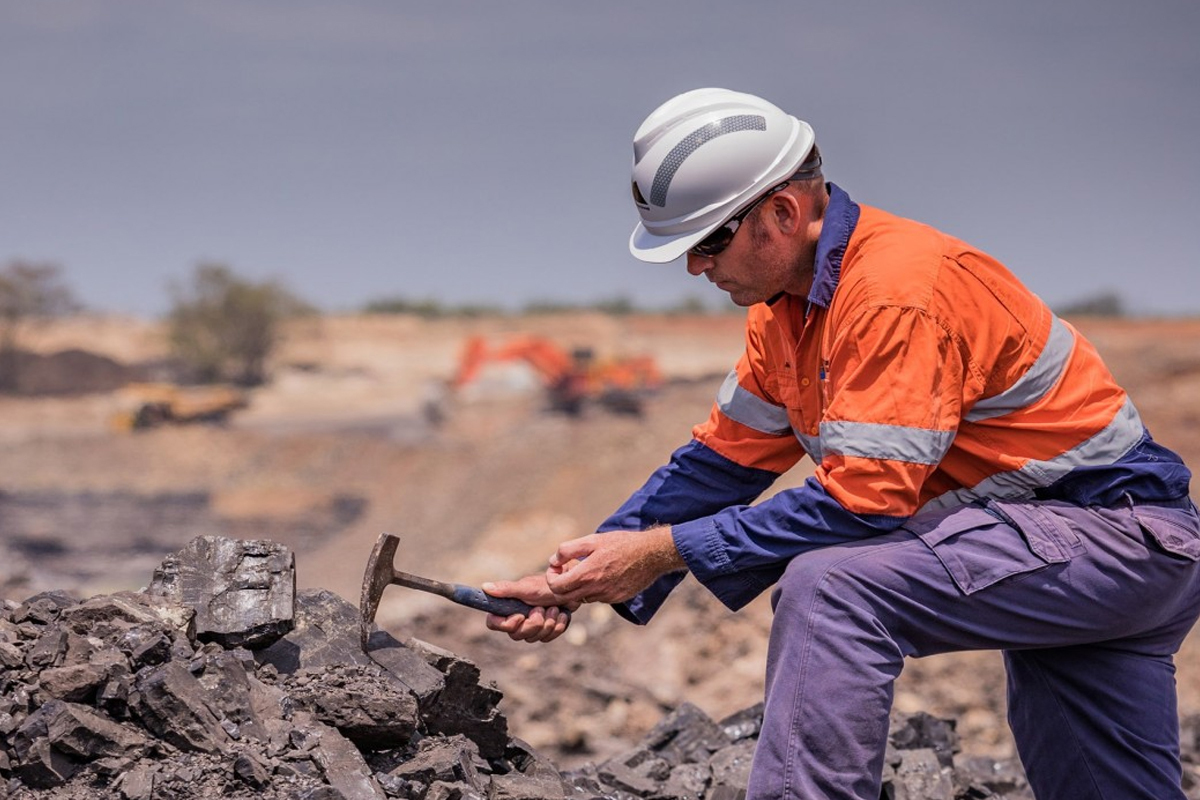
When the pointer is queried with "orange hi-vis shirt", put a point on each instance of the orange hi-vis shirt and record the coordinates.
(918, 374)
(933, 377)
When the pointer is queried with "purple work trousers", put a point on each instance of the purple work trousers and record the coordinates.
(1088, 605)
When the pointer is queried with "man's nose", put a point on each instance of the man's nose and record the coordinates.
(698, 265)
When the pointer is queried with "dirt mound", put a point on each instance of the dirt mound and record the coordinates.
(66, 372)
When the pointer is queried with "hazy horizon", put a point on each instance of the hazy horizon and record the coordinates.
(478, 154)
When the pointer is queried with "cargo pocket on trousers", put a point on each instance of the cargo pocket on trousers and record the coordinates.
(1175, 530)
(980, 548)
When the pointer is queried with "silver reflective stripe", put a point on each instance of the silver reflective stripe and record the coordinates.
(750, 409)
(812, 446)
(891, 442)
(690, 143)
(1105, 447)
(1037, 380)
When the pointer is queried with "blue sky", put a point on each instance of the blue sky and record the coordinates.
(478, 152)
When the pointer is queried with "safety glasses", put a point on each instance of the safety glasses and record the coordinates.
(719, 239)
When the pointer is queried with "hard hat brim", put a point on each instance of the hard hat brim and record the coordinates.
(656, 249)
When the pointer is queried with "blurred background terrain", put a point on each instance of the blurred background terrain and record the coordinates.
(354, 430)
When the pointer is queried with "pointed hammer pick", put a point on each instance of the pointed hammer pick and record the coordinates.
(382, 573)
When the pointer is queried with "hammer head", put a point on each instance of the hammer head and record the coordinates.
(377, 577)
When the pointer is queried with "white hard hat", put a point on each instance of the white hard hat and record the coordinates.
(701, 157)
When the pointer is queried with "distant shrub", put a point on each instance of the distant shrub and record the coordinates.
(28, 290)
(428, 309)
(1105, 304)
(614, 306)
(223, 327)
(617, 306)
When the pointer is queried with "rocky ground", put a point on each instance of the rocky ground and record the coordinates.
(337, 450)
(220, 680)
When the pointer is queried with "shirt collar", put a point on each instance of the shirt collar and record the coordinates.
(841, 217)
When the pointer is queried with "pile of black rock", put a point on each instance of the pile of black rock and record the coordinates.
(220, 680)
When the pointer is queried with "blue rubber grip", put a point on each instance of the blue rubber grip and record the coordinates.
(478, 599)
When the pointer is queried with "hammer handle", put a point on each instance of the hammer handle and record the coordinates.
(463, 595)
(478, 599)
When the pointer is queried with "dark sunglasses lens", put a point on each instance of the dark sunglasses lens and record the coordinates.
(715, 242)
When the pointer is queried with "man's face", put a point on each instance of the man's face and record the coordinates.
(753, 268)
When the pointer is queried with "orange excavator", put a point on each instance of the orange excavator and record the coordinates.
(573, 379)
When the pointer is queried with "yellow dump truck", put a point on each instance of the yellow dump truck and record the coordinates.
(150, 405)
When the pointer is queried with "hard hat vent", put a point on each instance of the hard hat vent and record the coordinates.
(689, 144)
(638, 197)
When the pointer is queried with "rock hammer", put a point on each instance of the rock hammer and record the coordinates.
(382, 573)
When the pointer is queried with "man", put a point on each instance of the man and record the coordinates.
(982, 482)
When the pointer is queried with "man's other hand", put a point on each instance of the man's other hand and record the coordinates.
(611, 567)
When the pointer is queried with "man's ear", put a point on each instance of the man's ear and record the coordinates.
(787, 213)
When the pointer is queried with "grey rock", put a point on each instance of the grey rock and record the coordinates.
(243, 591)
(465, 705)
(60, 736)
(9, 630)
(172, 704)
(322, 793)
(113, 697)
(440, 790)
(921, 731)
(407, 665)
(448, 759)
(743, 724)
(628, 779)
(686, 782)
(229, 694)
(340, 762)
(79, 682)
(998, 777)
(584, 784)
(11, 656)
(43, 767)
(105, 615)
(518, 786)
(81, 733)
(921, 776)
(251, 770)
(366, 704)
(136, 784)
(325, 633)
(687, 734)
(146, 645)
(43, 608)
(49, 650)
(731, 765)
(533, 777)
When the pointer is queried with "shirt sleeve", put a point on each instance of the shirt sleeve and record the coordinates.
(696, 483)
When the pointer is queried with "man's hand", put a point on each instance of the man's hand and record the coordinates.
(611, 567)
(549, 618)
